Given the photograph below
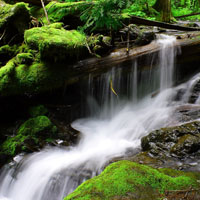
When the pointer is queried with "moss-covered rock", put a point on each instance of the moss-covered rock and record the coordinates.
(56, 44)
(68, 12)
(19, 78)
(14, 19)
(7, 52)
(177, 141)
(129, 180)
(38, 110)
(30, 136)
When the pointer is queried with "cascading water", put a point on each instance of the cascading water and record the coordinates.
(116, 125)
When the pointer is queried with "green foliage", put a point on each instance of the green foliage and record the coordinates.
(125, 178)
(142, 8)
(186, 7)
(104, 14)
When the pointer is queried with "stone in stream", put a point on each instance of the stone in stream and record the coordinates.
(34, 134)
(195, 92)
(179, 141)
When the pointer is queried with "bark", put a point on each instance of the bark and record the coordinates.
(190, 49)
(192, 14)
(45, 11)
(34, 2)
(141, 21)
(164, 7)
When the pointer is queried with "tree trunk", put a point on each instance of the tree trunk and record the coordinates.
(164, 7)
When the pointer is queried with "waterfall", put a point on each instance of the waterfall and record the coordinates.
(114, 128)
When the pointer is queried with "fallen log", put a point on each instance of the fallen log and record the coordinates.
(188, 15)
(34, 2)
(141, 21)
(98, 65)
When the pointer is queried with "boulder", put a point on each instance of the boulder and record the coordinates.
(14, 20)
(180, 141)
(30, 136)
(56, 44)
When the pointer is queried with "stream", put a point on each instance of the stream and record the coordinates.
(117, 122)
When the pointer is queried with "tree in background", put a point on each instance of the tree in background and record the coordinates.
(164, 8)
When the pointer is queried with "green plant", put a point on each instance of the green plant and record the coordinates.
(104, 14)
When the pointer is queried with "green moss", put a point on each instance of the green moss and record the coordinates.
(38, 110)
(36, 126)
(16, 78)
(56, 44)
(125, 178)
(57, 11)
(7, 52)
(34, 129)
(24, 58)
(14, 16)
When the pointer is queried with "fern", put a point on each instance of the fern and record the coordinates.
(104, 14)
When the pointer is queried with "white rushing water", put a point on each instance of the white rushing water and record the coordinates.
(115, 127)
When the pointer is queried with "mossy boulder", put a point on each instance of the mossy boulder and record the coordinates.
(30, 136)
(99, 44)
(56, 44)
(179, 141)
(14, 19)
(67, 12)
(19, 76)
(132, 181)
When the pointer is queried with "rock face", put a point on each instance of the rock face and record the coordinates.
(132, 181)
(179, 141)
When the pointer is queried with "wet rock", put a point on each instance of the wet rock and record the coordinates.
(180, 94)
(176, 141)
(195, 92)
(186, 144)
(187, 113)
(99, 44)
(141, 35)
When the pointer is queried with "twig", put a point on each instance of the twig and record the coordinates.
(182, 190)
(45, 11)
(3, 35)
(94, 54)
(12, 38)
